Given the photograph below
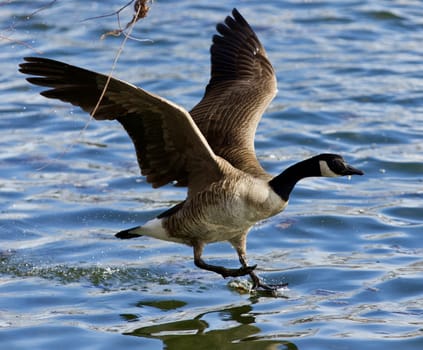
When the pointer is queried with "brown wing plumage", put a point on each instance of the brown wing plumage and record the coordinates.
(168, 144)
(241, 86)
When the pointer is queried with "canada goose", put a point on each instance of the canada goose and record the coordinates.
(209, 149)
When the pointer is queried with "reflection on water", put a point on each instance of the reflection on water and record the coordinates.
(236, 330)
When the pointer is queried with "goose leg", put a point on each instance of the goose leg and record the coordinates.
(240, 245)
(257, 283)
(225, 272)
(254, 277)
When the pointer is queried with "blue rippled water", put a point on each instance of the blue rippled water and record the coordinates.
(350, 81)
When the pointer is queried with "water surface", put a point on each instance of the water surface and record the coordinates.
(350, 81)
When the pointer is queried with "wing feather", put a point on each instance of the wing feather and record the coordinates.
(169, 145)
(241, 86)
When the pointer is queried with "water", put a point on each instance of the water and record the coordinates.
(350, 81)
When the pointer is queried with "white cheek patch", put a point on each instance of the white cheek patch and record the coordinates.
(325, 170)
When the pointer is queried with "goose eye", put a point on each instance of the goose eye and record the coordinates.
(337, 165)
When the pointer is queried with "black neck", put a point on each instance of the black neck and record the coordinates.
(284, 183)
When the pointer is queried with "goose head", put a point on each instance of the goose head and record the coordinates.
(322, 165)
(333, 165)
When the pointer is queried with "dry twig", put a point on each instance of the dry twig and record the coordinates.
(141, 8)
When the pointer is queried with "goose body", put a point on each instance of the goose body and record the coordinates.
(224, 212)
(209, 149)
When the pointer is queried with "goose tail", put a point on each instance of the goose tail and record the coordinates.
(129, 233)
(152, 228)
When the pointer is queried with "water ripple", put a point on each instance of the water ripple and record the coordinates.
(349, 77)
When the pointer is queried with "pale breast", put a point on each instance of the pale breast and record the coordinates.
(260, 199)
(226, 211)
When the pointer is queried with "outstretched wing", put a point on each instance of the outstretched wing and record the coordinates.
(241, 86)
(169, 145)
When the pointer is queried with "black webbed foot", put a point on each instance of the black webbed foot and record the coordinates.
(258, 285)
